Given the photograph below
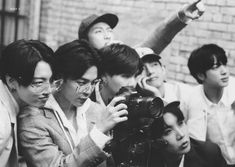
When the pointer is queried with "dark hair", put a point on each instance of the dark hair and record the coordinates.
(73, 59)
(159, 125)
(19, 60)
(203, 59)
(119, 59)
(150, 58)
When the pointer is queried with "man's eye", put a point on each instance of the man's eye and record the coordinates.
(37, 83)
(81, 83)
(110, 30)
(180, 123)
(167, 132)
(98, 31)
(215, 67)
(155, 64)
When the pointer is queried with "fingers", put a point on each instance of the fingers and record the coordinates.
(120, 116)
(194, 10)
(120, 106)
(114, 42)
(115, 100)
(201, 8)
(144, 81)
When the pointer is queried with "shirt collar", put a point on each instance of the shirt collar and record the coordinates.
(222, 101)
(82, 109)
(53, 104)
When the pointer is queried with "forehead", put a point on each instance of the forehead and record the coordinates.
(90, 74)
(99, 25)
(152, 63)
(170, 119)
(42, 70)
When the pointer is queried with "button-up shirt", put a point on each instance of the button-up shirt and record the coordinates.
(214, 122)
(75, 136)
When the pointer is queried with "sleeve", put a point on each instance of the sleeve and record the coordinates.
(5, 128)
(163, 34)
(99, 138)
(37, 146)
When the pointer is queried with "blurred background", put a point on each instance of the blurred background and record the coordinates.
(56, 22)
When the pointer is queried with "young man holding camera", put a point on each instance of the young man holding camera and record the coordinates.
(119, 66)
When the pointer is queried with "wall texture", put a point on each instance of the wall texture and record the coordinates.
(137, 18)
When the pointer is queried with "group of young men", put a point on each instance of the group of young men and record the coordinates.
(70, 132)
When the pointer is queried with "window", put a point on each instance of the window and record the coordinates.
(14, 20)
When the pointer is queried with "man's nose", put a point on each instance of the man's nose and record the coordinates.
(47, 89)
(179, 134)
(223, 69)
(107, 35)
(149, 71)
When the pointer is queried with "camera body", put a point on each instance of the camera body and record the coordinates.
(139, 106)
(131, 139)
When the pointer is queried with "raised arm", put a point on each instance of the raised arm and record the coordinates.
(166, 31)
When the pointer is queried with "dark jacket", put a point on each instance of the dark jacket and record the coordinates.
(201, 154)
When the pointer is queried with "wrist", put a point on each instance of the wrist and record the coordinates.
(183, 18)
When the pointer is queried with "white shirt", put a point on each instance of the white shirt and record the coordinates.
(175, 91)
(214, 122)
(98, 137)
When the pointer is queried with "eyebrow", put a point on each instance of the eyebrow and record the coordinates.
(39, 78)
(86, 80)
(99, 27)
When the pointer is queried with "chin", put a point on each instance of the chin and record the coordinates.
(186, 150)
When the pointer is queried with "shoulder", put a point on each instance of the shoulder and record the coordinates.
(208, 151)
(205, 147)
(35, 117)
(231, 84)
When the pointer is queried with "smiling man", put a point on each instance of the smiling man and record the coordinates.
(152, 80)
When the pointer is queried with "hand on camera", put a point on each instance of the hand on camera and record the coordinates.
(115, 113)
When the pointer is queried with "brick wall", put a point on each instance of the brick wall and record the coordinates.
(60, 20)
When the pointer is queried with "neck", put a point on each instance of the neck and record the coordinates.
(106, 95)
(20, 102)
(172, 160)
(162, 90)
(67, 107)
(212, 93)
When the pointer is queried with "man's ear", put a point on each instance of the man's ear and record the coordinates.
(104, 79)
(201, 76)
(56, 85)
(11, 83)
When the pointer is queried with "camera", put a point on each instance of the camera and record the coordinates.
(131, 139)
(139, 106)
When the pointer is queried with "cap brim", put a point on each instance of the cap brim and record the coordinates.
(151, 55)
(108, 18)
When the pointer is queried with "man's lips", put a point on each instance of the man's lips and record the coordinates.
(184, 145)
(225, 79)
(152, 78)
